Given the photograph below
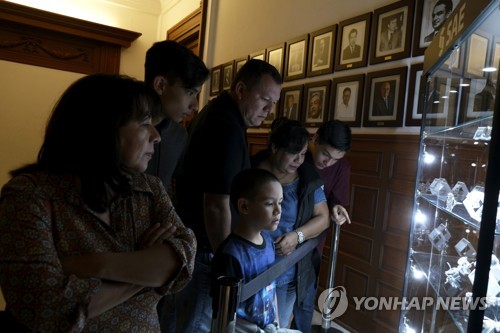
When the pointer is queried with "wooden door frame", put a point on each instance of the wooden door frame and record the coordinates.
(191, 27)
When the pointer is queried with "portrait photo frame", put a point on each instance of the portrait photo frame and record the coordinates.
(438, 96)
(238, 63)
(495, 53)
(387, 46)
(424, 30)
(456, 59)
(271, 116)
(315, 103)
(380, 113)
(321, 54)
(291, 102)
(348, 89)
(353, 56)
(227, 75)
(296, 58)
(276, 56)
(261, 55)
(416, 96)
(478, 55)
(478, 99)
(215, 80)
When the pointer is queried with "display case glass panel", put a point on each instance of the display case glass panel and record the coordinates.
(453, 267)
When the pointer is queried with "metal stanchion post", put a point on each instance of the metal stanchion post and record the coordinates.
(224, 313)
(334, 246)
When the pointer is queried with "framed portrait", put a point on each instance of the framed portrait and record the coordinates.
(477, 54)
(496, 53)
(261, 55)
(385, 98)
(227, 75)
(271, 116)
(352, 42)
(238, 63)
(431, 15)
(315, 103)
(275, 56)
(415, 96)
(296, 58)
(455, 61)
(392, 26)
(441, 99)
(478, 99)
(321, 51)
(215, 80)
(437, 96)
(347, 99)
(291, 102)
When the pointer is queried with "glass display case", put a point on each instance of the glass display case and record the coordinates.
(453, 267)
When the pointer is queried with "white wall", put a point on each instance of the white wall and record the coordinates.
(173, 11)
(28, 93)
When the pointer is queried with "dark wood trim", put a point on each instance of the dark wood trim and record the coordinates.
(46, 39)
(191, 29)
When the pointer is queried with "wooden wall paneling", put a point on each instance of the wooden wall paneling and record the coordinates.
(257, 142)
(382, 183)
(373, 249)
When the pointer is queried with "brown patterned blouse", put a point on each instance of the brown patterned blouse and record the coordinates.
(45, 219)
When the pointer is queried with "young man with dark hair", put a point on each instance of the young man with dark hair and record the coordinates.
(176, 74)
(326, 152)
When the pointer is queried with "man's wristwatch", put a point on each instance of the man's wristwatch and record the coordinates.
(300, 236)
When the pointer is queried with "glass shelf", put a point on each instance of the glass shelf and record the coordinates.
(459, 211)
(465, 131)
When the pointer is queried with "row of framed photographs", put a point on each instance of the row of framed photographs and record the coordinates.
(481, 50)
(377, 99)
(345, 45)
(342, 98)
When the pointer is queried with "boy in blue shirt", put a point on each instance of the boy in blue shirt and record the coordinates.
(247, 252)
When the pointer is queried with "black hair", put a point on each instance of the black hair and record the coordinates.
(176, 62)
(82, 134)
(448, 5)
(336, 134)
(289, 135)
(252, 71)
(246, 184)
(277, 121)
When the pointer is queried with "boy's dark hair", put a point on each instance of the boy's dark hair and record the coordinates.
(82, 135)
(289, 135)
(176, 62)
(253, 70)
(247, 183)
(336, 134)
